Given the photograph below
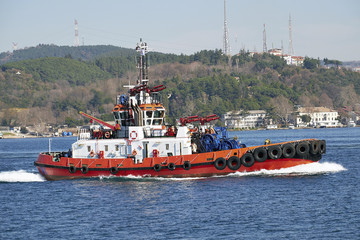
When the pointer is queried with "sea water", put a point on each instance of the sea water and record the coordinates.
(314, 201)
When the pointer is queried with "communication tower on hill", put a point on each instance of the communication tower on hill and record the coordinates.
(264, 40)
(15, 47)
(76, 34)
(226, 44)
(291, 49)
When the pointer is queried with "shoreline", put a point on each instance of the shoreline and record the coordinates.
(17, 135)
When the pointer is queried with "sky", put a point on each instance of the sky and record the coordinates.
(320, 29)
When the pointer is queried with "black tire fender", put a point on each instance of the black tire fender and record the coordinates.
(84, 169)
(314, 147)
(157, 167)
(289, 150)
(187, 165)
(171, 166)
(114, 170)
(247, 160)
(322, 146)
(260, 154)
(220, 163)
(274, 152)
(234, 163)
(72, 169)
(302, 149)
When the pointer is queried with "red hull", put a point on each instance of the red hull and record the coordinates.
(195, 165)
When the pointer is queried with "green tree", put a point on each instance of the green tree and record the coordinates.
(311, 63)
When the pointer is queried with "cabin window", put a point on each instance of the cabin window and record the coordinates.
(157, 121)
(149, 114)
(116, 115)
(167, 146)
(89, 148)
(123, 150)
(106, 148)
(158, 114)
(116, 147)
(148, 122)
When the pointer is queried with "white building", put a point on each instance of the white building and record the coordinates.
(294, 60)
(320, 117)
(241, 119)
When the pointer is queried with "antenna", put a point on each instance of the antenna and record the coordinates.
(264, 40)
(291, 49)
(76, 34)
(226, 45)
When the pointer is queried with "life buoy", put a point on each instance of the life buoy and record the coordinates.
(133, 135)
(260, 154)
(92, 153)
(302, 149)
(114, 170)
(157, 167)
(187, 165)
(314, 147)
(134, 152)
(84, 169)
(289, 150)
(220, 163)
(274, 152)
(171, 166)
(72, 169)
(247, 160)
(107, 135)
(234, 163)
(322, 146)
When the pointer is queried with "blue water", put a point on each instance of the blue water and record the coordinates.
(315, 201)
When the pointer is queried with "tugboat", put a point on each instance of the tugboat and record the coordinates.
(141, 144)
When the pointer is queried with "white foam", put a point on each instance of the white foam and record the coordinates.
(132, 177)
(315, 168)
(20, 176)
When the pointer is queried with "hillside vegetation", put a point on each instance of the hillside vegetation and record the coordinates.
(53, 90)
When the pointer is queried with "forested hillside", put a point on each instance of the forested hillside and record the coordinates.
(53, 90)
(80, 52)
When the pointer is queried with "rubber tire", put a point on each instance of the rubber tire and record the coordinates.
(84, 169)
(302, 149)
(322, 146)
(187, 165)
(171, 166)
(289, 150)
(231, 161)
(220, 163)
(314, 147)
(72, 169)
(114, 170)
(247, 160)
(157, 167)
(274, 152)
(260, 154)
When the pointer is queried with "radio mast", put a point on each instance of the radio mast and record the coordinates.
(226, 45)
(291, 49)
(76, 34)
(264, 40)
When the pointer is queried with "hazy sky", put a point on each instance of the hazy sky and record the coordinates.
(320, 28)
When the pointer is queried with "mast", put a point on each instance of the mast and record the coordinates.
(142, 62)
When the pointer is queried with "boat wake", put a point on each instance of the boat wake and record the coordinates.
(315, 168)
(301, 170)
(20, 176)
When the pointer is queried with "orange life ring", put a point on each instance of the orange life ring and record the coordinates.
(134, 152)
(107, 135)
(133, 135)
(92, 154)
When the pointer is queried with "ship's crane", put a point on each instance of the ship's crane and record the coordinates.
(196, 118)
